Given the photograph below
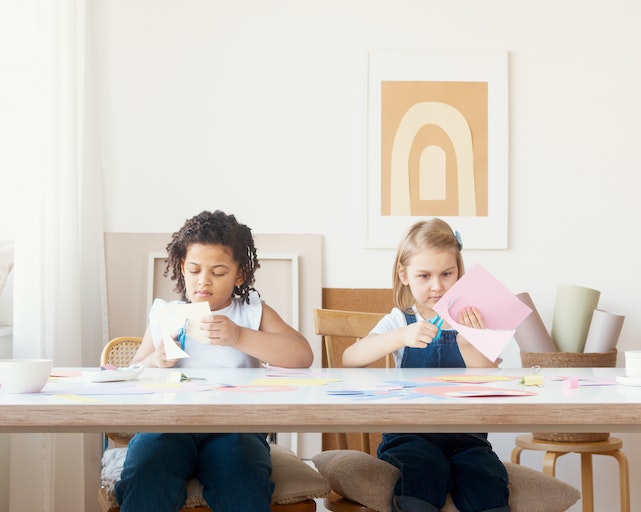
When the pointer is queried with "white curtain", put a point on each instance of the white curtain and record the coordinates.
(59, 280)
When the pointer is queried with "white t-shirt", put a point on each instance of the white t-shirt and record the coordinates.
(214, 356)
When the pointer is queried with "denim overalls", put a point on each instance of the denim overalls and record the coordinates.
(433, 465)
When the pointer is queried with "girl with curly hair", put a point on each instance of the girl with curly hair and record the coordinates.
(213, 259)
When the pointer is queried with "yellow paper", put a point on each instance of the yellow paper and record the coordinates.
(532, 380)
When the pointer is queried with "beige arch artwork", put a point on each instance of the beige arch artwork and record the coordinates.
(457, 128)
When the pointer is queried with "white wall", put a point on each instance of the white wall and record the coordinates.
(258, 107)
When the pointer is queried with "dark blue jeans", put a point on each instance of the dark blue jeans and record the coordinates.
(433, 465)
(234, 469)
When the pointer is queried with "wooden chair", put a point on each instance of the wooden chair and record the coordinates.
(119, 352)
(340, 329)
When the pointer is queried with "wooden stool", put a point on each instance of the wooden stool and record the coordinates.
(555, 449)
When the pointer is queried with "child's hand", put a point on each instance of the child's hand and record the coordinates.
(471, 317)
(420, 334)
(160, 357)
(220, 330)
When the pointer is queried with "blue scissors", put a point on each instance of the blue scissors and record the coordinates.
(182, 334)
(438, 322)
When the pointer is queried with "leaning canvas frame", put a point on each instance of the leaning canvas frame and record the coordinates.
(488, 231)
(277, 270)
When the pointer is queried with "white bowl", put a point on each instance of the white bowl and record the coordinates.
(24, 375)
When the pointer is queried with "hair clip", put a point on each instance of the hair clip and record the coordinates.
(457, 235)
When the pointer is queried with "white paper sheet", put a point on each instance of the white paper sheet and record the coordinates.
(173, 318)
(604, 332)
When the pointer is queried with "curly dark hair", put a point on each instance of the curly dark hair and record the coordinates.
(214, 228)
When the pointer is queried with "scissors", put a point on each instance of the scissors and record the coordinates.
(182, 334)
(438, 322)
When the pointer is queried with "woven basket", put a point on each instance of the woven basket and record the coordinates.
(570, 360)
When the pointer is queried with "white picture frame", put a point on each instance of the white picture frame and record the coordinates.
(487, 230)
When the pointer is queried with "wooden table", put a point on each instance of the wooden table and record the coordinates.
(233, 400)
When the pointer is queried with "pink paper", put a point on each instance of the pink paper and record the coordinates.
(531, 335)
(501, 311)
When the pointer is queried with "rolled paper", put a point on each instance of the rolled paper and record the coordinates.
(531, 335)
(572, 317)
(604, 332)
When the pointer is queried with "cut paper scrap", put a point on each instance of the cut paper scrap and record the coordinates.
(532, 335)
(472, 391)
(77, 398)
(604, 332)
(250, 388)
(364, 391)
(174, 387)
(65, 374)
(572, 316)
(488, 393)
(286, 381)
(174, 316)
(278, 371)
(588, 381)
(502, 312)
(474, 379)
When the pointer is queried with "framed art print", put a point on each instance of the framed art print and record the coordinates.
(437, 146)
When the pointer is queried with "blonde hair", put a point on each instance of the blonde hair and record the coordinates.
(428, 234)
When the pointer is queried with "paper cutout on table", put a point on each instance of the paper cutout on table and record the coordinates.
(488, 393)
(532, 335)
(472, 391)
(604, 331)
(80, 399)
(287, 381)
(364, 391)
(474, 379)
(65, 374)
(587, 381)
(502, 312)
(172, 318)
(251, 388)
(572, 317)
(127, 388)
(278, 371)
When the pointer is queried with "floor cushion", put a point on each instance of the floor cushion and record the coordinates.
(362, 477)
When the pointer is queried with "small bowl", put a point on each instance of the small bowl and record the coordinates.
(24, 375)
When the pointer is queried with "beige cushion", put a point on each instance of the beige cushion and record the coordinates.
(294, 480)
(363, 478)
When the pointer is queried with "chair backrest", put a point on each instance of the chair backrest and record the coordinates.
(120, 351)
(336, 326)
(340, 329)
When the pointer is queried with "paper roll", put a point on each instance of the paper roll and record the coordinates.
(604, 331)
(531, 335)
(572, 317)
